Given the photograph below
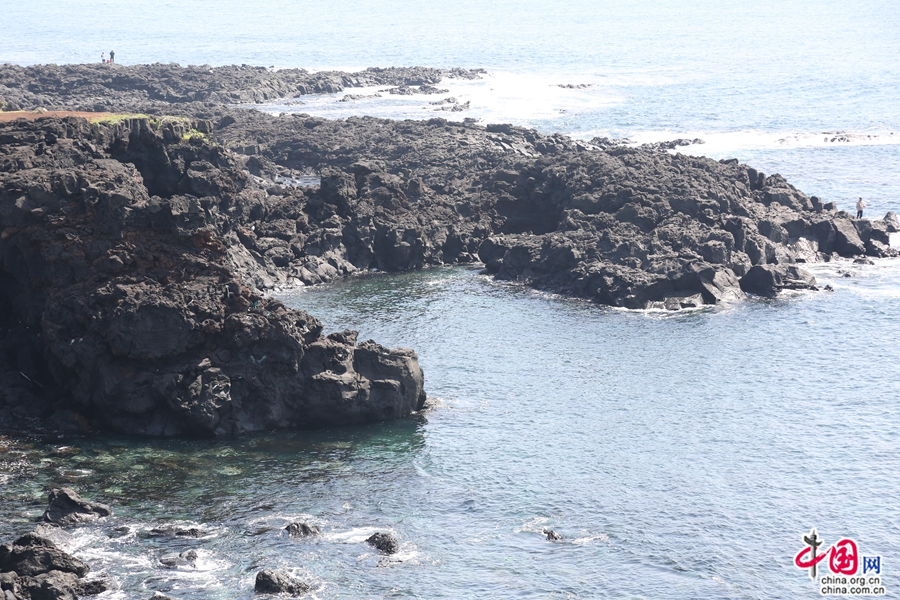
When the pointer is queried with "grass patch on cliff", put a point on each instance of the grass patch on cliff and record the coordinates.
(118, 118)
(193, 134)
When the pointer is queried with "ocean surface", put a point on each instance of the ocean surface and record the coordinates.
(679, 455)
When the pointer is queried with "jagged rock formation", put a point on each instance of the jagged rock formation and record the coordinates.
(66, 508)
(104, 87)
(301, 530)
(33, 568)
(132, 253)
(269, 581)
(385, 543)
(127, 302)
(632, 227)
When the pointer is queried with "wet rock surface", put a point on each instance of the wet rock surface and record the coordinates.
(551, 535)
(385, 543)
(301, 530)
(768, 280)
(33, 568)
(135, 254)
(186, 559)
(269, 581)
(66, 508)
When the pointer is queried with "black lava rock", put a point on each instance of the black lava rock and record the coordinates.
(384, 542)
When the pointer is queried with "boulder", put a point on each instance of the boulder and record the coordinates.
(384, 542)
(68, 508)
(33, 568)
(301, 530)
(279, 582)
(677, 302)
(846, 238)
(768, 280)
(31, 555)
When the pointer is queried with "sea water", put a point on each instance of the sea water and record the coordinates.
(678, 455)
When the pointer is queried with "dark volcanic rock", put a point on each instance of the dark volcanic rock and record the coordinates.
(132, 255)
(190, 532)
(768, 280)
(101, 86)
(384, 542)
(141, 279)
(33, 568)
(632, 227)
(301, 530)
(68, 508)
(187, 558)
(552, 536)
(279, 582)
(32, 555)
(846, 238)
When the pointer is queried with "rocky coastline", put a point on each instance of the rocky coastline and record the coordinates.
(135, 252)
(35, 566)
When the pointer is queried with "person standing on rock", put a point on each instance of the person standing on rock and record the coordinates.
(103, 57)
(860, 205)
(112, 56)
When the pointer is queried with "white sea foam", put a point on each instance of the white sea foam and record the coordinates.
(590, 539)
(281, 520)
(501, 97)
(533, 525)
(715, 143)
(357, 535)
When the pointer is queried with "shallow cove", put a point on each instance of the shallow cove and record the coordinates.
(679, 455)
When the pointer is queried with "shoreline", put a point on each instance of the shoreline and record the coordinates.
(181, 215)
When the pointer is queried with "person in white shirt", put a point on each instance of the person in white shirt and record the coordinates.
(860, 205)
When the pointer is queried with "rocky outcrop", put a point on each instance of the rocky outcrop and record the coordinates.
(33, 568)
(768, 280)
(385, 543)
(269, 581)
(134, 254)
(623, 226)
(129, 301)
(67, 508)
(301, 530)
(551, 535)
(117, 87)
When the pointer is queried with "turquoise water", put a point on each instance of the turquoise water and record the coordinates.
(680, 456)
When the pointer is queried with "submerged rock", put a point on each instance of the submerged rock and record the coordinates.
(279, 582)
(169, 530)
(301, 530)
(384, 542)
(68, 508)
(552, 536)
(184, 559)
